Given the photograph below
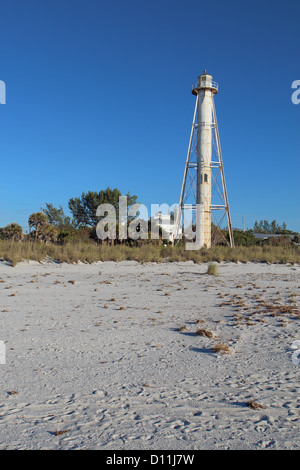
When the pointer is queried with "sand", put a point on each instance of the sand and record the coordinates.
(96, 357)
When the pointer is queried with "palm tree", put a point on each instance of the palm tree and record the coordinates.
(37, 220)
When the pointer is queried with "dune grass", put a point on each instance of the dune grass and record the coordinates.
(212, 269)
(88, 252)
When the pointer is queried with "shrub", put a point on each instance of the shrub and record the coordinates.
(244, 238)
(212, 269)
(11, 232)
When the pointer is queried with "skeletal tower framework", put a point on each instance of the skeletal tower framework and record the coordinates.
(203, 188)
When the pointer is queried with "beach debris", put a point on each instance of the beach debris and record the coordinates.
(60, 433)
(254, 405)
(182, 328)
(204, 332)
(220, 347)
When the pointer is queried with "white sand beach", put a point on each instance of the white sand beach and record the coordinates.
(96, 358)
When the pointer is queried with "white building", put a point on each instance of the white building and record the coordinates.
(167, 225)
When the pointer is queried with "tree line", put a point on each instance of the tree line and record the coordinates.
(264, 226)
(53, 225)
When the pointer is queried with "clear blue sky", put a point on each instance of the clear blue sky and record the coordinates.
(99, 94)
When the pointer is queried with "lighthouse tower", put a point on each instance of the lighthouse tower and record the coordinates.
(204, 90)
(199, 177)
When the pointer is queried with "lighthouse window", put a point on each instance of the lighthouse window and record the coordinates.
(205, 178)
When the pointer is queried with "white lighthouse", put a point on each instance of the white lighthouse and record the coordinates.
(204, 90)
(200, 165)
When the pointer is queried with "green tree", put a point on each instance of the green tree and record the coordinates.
(37, 220)
(259, 226)
(244, 238)
(48, 233)
(274, 227)
(11, 232)
(265, 227)
(84, 208)
(57, 217)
